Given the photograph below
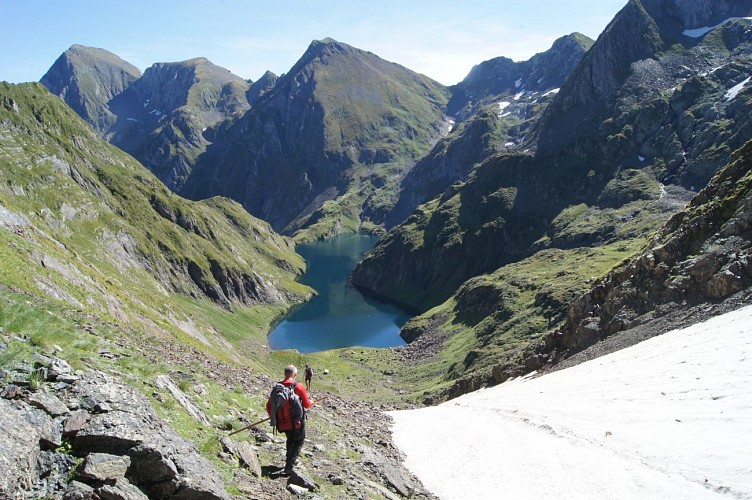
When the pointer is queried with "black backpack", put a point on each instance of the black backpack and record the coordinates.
(286, 409)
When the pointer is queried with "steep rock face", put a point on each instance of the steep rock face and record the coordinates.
(642, 34)
(702, 255)
(341, 120)
(162, 116)
(497, 106)
(87, 79)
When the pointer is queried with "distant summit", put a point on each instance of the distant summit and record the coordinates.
(87, 79)
(543, 71)
(313, 150)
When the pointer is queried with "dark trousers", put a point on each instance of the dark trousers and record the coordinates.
(295, 440)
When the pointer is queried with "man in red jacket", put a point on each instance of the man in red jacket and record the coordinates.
(295, 437)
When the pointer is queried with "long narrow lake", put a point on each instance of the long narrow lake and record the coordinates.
(339, 316)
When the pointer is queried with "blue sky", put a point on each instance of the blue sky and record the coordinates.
(441, 39)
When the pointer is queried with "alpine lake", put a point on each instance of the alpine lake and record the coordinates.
(339, 316)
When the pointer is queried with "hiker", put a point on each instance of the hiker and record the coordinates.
(292, 425)
(308, 377)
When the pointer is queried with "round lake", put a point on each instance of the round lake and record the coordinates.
(339, 316)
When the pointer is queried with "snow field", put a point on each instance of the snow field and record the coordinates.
(670, 417)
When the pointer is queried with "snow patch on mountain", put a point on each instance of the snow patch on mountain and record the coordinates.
(698, 32)
(670, 417)
(734, 91)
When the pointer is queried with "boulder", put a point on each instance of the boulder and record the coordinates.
(19, 451)
(48, 402)
(162, 463)
(104, 467)
(245, 454)
(121, 490)
(302, 480)
(75, 422)
(79, 491)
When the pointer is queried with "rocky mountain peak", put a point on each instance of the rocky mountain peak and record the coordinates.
(87, 78)
(501, 75)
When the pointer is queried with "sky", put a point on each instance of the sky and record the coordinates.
(442, 39)
(670, 417)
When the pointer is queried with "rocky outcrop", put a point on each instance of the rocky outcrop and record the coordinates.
(125, 450)
(702, 255)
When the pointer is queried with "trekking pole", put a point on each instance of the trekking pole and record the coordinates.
(249, 426)
(264, 420)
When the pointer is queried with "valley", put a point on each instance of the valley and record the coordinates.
(167, 237)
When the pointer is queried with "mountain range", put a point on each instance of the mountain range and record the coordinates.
(527, 213)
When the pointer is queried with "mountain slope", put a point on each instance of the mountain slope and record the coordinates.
(496, 260)
(87, 79)
(497, 105)
(84, 223)
(334, 130)
(673, 131)
(702, 255)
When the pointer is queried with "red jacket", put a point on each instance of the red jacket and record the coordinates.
(299, 390)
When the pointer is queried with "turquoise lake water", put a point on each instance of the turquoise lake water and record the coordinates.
(339, 316)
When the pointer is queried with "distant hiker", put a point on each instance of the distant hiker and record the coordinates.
(286, 408)
(308, 377)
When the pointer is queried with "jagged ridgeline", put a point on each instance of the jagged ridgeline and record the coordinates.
(310, 150)
(160, 117)
(84, 223)
(654, 109)
(326, 143)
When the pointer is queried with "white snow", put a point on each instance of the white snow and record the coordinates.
(641, 158)
(670, 417)
(505, 114)
(733, 91)
(552, 91)
(508, 144)
(518, 95)
(131, 119)
(518, 83)
(503, 105)
(698, 32)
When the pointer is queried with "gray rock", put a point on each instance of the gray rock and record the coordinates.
(75, 422)
(335, 480)
(398, 479)
(58, 367)
(48, 402)
(165, 382)
(102, 407)
(79, 491)
(162, 462)
(104, 467)
(300, 479)
(67, 378)
(121, 490)
(19, 451)
(249, 458)
(296, 490)
(50, 430)
(245, 454)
